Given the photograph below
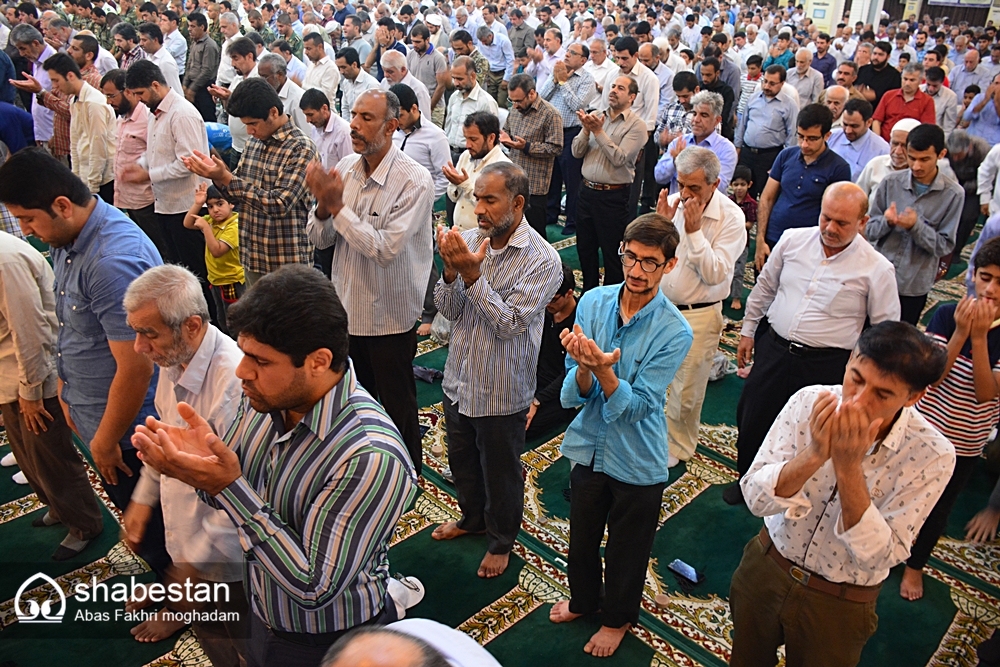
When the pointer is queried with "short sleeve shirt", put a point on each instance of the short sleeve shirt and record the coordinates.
(802, 188)
(227, 269)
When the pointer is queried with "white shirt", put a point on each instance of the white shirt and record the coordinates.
(226, 71)
(706, 258)
(461, 194)
(542, 70)
(460, 106)
(418, 87)
(822, 301)
(845, 50)
(351, 90)
(237, 130)
(175, 130)
(291, 95)
(105, 61)
(458, 648)
(428, 146)
(92, 137)
(168, 66)
(324, 76)
(296, 69)
(647, 102)
(333, 143)
(602, 71)
(945, 107)
(42, 115)
(989, 180)
(905, 473)
(177, 46)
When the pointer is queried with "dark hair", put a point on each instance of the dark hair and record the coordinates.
(314, 98)
(568, 281)
(934, 74)
(255, 37)
(142, 74)
(243, 47)
(884, 47)
(150, 8)
(295, 310)
(777, 69)
(254, 98)
(685, 81)
(515, 181)
(486, 122)
(198, 19)
(407, 98)
(654, 230)
(421, 31)
(355, 21)
(152, 31)
(460, 36)
(63, 64)
(720, 38)
(972, 89)
(926, 136)
(350, 55)
(21, 186)
(712, 62)
(314, 37)
(755, 60)
(627, 44)
(281, 45)
(988, 254)
(523, 82)
(850, 63)
(115, 76)
(742, 173)
(385, 22)
(214, 193)
(813, 115)
(126, 31)
(28, 9)
(643, 28)
(863, 107)
(88, 44)
(900, 349)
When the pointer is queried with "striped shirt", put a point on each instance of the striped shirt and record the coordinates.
(569, 97)
(383, 243)
(952, 406)
(270, 184)
(315, 509)
(497, 324)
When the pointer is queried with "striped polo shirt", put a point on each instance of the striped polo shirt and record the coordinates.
(952, 405)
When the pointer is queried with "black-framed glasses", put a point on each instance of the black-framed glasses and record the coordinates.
(649, 265)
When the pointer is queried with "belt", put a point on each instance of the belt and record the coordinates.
(850, 592)
(800, 350)
(605, 186)
(696, 306)
(775, 149)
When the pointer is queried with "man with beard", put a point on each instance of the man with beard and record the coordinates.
(469, 98)
(855, 141)
(169, 314)
(481, 130)
(497, 281)
(374, 207)
(626, 345)
(304, 424)
(878, 77)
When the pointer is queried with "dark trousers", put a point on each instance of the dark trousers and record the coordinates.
(187, 247)
(149, 223)
(630, 513)
(548, 416)
(225, 641)
(601, 221)
(565, 171)
(937, 520)
(323, 260)
(384, 367)
(224, 296)
(910, 308)
(760, 164)
(54, 469)
(650, 188)
(485, 457)
(268, 648)
(449, 205)
(536, 214)
(153, 548)
(770, 608)
(205, 105)
(430, 310)
(775, 376)
(970, 216)
(107, 192)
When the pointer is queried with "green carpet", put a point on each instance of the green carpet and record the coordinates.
(509, 614)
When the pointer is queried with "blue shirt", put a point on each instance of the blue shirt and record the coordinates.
(825, 65)
(723, 148)
(17, 127)
(768, 122)
(625, 436)
(92, 274)
(7, 72)
(802, 188)
(858, 153)
(499, 54)
(986, 123)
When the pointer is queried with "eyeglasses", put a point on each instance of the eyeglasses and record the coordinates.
(648, 265)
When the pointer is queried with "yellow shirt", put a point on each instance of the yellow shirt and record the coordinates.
(227, 269)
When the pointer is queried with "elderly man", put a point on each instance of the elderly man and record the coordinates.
(945, 99)
(812, 322)
(168, 312)
(706, 114)
(396, 71)
(542, 61)
(972, 73)
(497, 49)
(807, 81)
(229, 28)
(914, 218)
(759, 135)
(273, 68)
(712, 233)
(375, 209)
(879, 167)
(982, 114)
(835, 97)
(482, 131)
(32, 46)
(854, 140)
(906, 102)
(495, 295)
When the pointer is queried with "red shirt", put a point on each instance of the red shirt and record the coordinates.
(893, 108)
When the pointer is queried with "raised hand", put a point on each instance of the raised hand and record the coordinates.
(679, 145)
(208, 166)
(453, 175)
(664, 207)
(983, 314)
(853, 434)
(201, 194)
(963, 316)
(694, 210)
(891, 215)
(327, 188)
(458, 257)
(820, 423)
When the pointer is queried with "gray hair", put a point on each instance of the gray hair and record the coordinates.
(461, 11)
(598, 40)
(515, 181)
(58, 23)
(276, 63)
(394, 59)
(24, 34)
(958, 141)
(175, 290)
(864, 45)
(674, 31)
(712, 100)
(693, 158)
(914, 68)
(229, 17)
(482, 32)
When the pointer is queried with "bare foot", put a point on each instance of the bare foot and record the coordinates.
(155, 630)
(560, 613)
(449, 531)
(912, 587)
(493, 565)
(736, 304)
(606, 641)
(424, 330)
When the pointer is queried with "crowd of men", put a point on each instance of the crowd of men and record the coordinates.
(240, 206)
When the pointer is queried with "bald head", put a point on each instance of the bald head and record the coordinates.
(803, 58)
(843, 216)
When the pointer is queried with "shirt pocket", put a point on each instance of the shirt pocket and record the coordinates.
(845, 299)
(80, 317)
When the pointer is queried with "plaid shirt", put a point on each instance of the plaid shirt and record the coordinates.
(270, 184)
(133, 56)
(59, 103)
(542, 128)
(749, 206)
(675, 118)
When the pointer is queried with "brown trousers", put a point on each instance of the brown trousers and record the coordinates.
(54, 469)
(770, 608)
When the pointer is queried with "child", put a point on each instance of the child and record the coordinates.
(222, 242)
(742, 180)
(750, 83)
(967, 97)
(965, 404)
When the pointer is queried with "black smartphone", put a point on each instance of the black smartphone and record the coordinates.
(682, 569)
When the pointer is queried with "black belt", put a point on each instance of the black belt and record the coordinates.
(755, 151)
(800, 350)
(696, 306)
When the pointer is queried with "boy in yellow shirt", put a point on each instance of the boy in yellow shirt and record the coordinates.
(222, 242)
